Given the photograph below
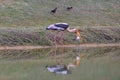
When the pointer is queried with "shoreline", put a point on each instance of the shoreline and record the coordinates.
(90, 45)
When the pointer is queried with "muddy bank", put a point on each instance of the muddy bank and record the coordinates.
(58, 46)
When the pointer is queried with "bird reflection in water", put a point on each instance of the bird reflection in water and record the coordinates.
(64, 69)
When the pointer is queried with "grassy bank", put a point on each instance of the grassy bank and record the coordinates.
(23, 22)
(37, 12)
(38, 36)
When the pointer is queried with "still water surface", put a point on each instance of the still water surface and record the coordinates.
(96, 64)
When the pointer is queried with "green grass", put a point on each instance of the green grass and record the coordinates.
(23, 22)
(37, 12)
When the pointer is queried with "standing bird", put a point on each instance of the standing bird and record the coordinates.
(69, 8)
(53, 11)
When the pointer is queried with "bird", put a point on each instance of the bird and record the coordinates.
(69, 8)
(53, 11)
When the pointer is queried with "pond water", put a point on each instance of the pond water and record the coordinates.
(95, 64)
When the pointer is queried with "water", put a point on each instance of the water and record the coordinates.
(96, 64)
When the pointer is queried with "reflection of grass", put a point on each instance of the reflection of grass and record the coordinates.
(99, 69)
(92, 69)
(96, 64)
(101, 52)
(23, 54)
(60, 52)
